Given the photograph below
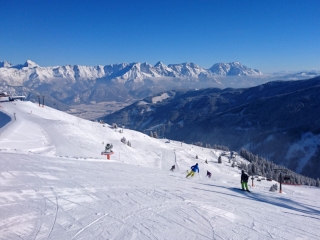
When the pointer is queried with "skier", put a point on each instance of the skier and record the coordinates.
(173, 168)
(208, 174)
(194, 168)
(206, 161)
(244, 181)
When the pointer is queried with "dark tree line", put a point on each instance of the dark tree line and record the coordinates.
(262, 167)
(153, 134)
(215, 146)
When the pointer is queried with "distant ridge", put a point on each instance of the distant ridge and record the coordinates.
(66, 85)
(119, 72)
(233, 69)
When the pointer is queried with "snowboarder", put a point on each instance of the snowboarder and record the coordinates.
(208, 174)
(194, 168)
(173, 168)
(244, 181)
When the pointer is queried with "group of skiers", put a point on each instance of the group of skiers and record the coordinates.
(195, 168)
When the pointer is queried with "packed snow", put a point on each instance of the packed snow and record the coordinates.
(55, 184)
(160, 98)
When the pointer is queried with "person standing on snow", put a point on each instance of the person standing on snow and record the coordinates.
(194, 168)
(244, 181)
(173, 168)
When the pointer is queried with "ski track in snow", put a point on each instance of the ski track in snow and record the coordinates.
(54, 184)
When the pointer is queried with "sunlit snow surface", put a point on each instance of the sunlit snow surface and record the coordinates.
(54, 184)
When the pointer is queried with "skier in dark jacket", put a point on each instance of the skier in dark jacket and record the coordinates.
(194, 168)
(173, 168)
(244, 181)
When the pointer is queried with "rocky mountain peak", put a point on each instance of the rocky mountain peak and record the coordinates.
(5, 64)
(233, 69)
(30, 64)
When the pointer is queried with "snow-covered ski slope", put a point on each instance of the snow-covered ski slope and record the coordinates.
(54, 184)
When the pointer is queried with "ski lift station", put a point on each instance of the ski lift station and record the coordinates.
(5, 97)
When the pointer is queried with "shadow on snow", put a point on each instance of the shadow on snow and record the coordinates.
(273, 200)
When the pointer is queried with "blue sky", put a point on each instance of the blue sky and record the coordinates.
(269, 35)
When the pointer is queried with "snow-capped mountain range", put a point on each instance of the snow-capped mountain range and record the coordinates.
(125, 82)
(120, 72)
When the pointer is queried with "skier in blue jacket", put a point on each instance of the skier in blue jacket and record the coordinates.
(194, 168)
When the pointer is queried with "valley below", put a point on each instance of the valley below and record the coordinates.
(94, 111)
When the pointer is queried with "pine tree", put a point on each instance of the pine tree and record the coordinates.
(155, 135)
(233, 164)
(274, 187)
(318, 182)
(245, 168)
(250, 169)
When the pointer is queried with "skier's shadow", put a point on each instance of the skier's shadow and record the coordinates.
(273, 200)
(224, 193)
(282, 202)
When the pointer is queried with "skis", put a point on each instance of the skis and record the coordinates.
(242, 190)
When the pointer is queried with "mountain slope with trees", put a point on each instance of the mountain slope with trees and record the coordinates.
(271, 120)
